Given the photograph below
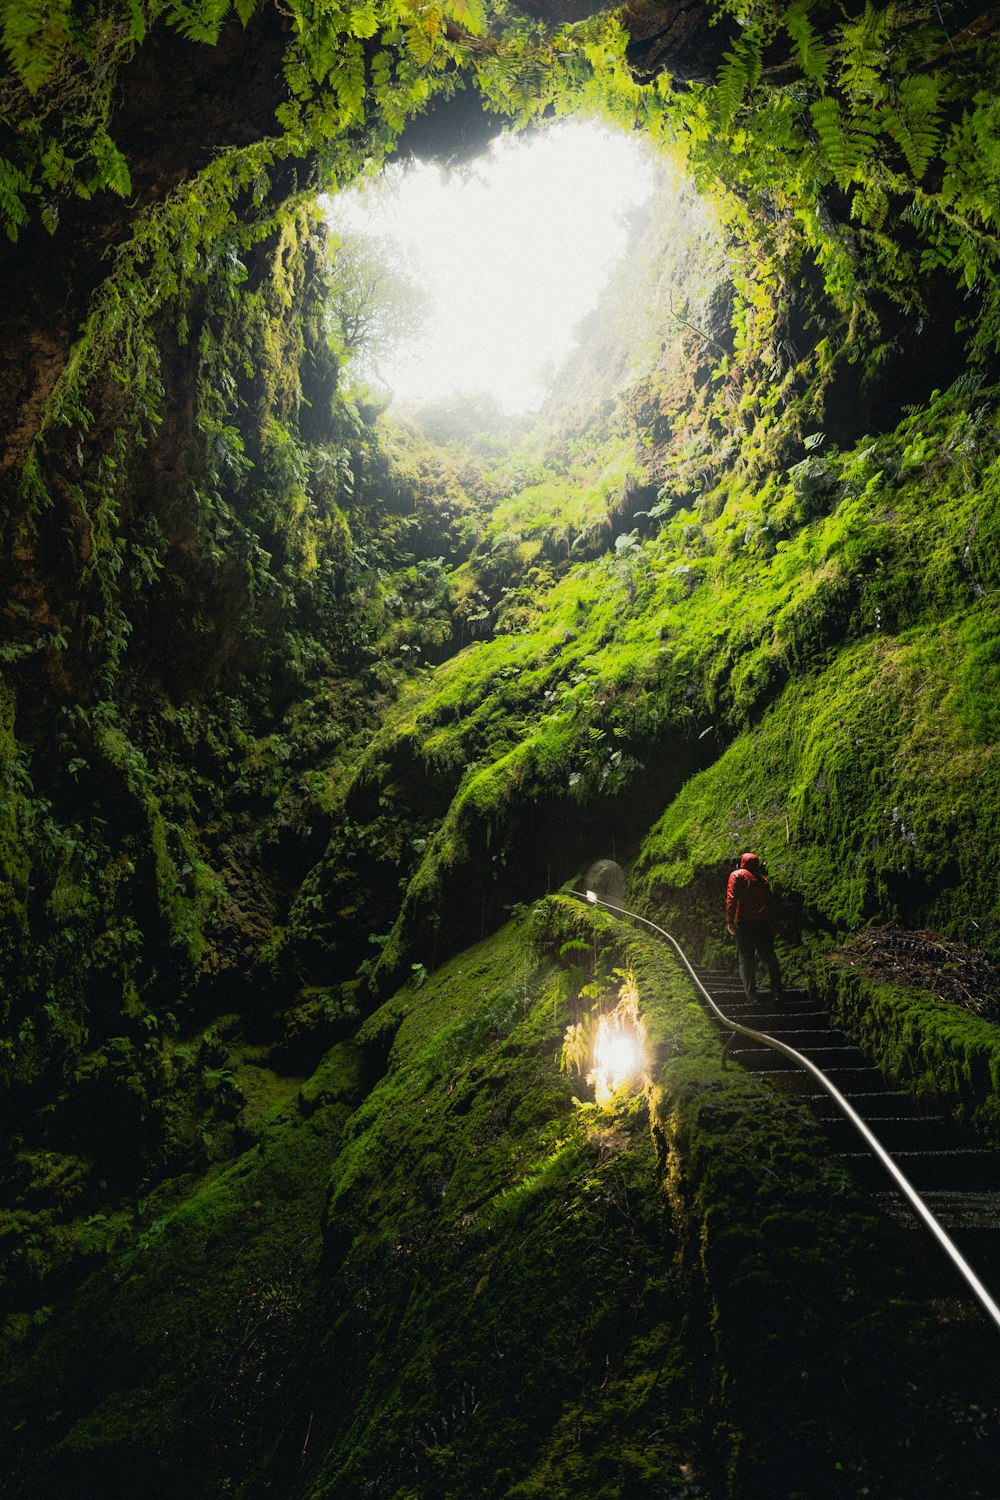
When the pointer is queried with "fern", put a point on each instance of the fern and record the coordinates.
(14, 186)
(739, 73)
(862, 55)
(348, 79)
(870, 204)
(470, 14)
(848, 142)
(363, 21)
(34, 35)
(112, 168)
(814, 56)
(578, 1046)
(829, 125)
(918, 131)
(198, 20)
(137, 16)
(871, 32)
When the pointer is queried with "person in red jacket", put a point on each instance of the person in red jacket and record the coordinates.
(750, 916)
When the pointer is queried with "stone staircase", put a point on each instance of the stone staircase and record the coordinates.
(955, 1174)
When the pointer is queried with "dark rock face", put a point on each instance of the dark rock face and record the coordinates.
(450, 130)
(677, 39)
(180, 105)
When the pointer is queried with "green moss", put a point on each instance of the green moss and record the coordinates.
(653, 603)
(517, 1288)
(232, 1264)
(861, 789)
(14, 862)
(977, 690)
(471, 1150)
(933, 1048)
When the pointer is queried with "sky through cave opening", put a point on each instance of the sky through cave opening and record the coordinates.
(511, 251)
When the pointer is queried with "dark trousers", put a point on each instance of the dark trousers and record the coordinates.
(756, 940)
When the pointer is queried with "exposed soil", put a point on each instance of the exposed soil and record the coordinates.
(926, 960)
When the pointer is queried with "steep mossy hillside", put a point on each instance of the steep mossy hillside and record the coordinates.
(515, 1291)
(208, 608)
(411, 687)
(869, 783)
(819, 647)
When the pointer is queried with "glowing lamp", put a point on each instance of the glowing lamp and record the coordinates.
(592, 897)
(619, 1047)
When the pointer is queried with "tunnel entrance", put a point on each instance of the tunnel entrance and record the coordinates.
(606, 880)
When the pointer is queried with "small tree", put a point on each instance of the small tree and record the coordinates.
(375, 302)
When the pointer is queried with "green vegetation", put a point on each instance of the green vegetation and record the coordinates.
(935, 1050)
(487, 1237)
(301, 699)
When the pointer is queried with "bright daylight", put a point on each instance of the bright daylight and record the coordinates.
(512, 252)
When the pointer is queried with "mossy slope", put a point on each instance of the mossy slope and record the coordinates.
(820, 646)
(514, 1293)
(869, 789)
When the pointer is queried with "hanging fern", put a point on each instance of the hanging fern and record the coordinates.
(35, 34)
(470, 14)
(14, 186)
(813, 55)
(739, 73)
(111, 167)
(917, 128)
(198, 20)
(862, 53)
(846, 141)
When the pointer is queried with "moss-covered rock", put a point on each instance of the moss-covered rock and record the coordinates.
(444, 1269)
(932, 1047)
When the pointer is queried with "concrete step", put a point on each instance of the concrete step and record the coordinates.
(896, 1133)
(766, 1059)
(879, 1104)
(958, 1178)
(956, 1211)
(802, 1038)
(780, 1016)
(849, 1081)
(971, 1169)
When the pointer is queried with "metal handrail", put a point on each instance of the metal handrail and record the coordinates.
(947, 1244)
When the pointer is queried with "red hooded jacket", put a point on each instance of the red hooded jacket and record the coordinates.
(749, 897)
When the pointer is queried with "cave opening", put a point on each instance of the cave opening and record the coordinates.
(510, 251)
